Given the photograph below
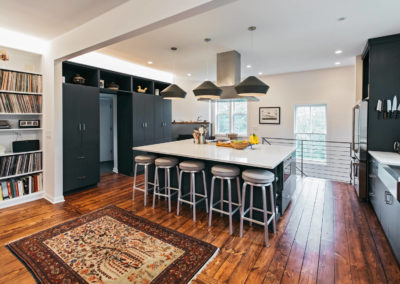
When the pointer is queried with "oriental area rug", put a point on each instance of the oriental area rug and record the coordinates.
(112, 245)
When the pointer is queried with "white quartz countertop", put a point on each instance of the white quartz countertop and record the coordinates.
(263, 156)
(387, 158)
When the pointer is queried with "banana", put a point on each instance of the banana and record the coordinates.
(253, 139)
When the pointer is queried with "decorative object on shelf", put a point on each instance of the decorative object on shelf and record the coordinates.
(396, 146)
(2, 149)
(251, 86)
(207, 89)
(141, 90)
(4, 56)
(78, 79)
(157, 92)
(173, 91)
(253, 139)
(269, 115)
(4, 124)
(29, 123)
(25, 146)
(394, 107)
(113, 86)
(379, 107)
(101, 84)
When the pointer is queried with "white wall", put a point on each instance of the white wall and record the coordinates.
(334, 87)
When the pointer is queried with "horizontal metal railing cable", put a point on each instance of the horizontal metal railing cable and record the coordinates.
(321, 159)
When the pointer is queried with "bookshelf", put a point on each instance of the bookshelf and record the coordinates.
(21, 174)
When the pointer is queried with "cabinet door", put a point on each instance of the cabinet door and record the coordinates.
(167, 119)
(138, 117)
(72, 137)
(125, 134)
(149, 119)
(158, 118)
(89, 116)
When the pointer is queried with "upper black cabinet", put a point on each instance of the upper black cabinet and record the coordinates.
(80, 136)
(122, 80)
(381, 63)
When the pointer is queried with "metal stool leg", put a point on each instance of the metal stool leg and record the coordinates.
(222, 197)
(271, 196)
(265, 216)
(169, 189)
(238, 190)
(205, 189)
(193, 191)
(134, 182)
(242, 209)
(146, 183)
(177, 176)
(230, 206)
(179, 193)
(211, 201)
(155, 186)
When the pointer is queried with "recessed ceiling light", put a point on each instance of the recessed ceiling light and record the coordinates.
(337, 63)
(189, 74)
(341, 19)
(248, 66)
(338, 51)
(149, 62)
(259, 73)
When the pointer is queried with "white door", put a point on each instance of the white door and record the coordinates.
(106, 129)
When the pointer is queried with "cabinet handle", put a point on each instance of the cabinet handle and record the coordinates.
(84, 127)
(81, 157)
(80, 127)
(82, 177)
(145, 124)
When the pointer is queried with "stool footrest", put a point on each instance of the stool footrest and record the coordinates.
(258, 222)
(224, 212)
(190, 202)
(219, 202)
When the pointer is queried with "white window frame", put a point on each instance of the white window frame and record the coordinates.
(215, 121)
(326, 128)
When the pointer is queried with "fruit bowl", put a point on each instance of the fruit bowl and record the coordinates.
(240, 145)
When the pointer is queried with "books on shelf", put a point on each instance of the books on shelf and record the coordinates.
(20, 164)
(18, 187)
(14, 103)
(20, 82)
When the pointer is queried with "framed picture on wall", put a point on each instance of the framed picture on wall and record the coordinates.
(270, 115)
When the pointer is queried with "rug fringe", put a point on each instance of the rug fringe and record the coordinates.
(205, 265)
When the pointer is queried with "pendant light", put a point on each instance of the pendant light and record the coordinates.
(207, 90)
(173, 91)
(251, 86)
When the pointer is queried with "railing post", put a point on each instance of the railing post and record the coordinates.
(302, 158)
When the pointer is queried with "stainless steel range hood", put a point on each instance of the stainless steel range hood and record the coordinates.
(228, 75)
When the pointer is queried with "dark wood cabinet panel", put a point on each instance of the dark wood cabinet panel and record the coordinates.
(80, 136)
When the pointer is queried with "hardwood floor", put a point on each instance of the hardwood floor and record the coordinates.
(325, 236)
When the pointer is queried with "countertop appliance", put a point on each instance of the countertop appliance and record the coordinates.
(360, 151)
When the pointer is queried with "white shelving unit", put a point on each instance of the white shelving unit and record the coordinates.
(20, 113)
(9, 136)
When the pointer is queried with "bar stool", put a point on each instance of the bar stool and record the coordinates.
(228, 173)
(145, 161)
(262, 179)
(166, 163)
(192, 167)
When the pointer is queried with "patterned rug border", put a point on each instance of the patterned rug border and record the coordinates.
(33, 269)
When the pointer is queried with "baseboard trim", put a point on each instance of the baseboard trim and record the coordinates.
(54, 200)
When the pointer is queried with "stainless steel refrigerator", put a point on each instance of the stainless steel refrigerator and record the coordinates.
(360, 151)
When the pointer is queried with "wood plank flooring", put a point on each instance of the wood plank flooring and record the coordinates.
(325, 236)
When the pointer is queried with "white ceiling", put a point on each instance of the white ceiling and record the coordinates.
(48, 19)
(290, 36)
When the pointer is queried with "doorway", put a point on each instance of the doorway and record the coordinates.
(108, 124)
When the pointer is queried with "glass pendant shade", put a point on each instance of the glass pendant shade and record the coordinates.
(207, 90)
(173, 92)
(251, 87)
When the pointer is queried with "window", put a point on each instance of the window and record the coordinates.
(310, 124)
(231, 117)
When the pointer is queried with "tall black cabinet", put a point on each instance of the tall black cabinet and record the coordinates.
(80, 136)
(142, 120)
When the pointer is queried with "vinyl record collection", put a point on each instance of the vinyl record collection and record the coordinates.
(20, 82)
(20, 164)
(18, 187)
(10, 103)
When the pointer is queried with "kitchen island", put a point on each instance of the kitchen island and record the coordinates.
(281, 160)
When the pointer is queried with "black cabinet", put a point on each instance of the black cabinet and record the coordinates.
(142, 120)
(162, 120)
(80, 136)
